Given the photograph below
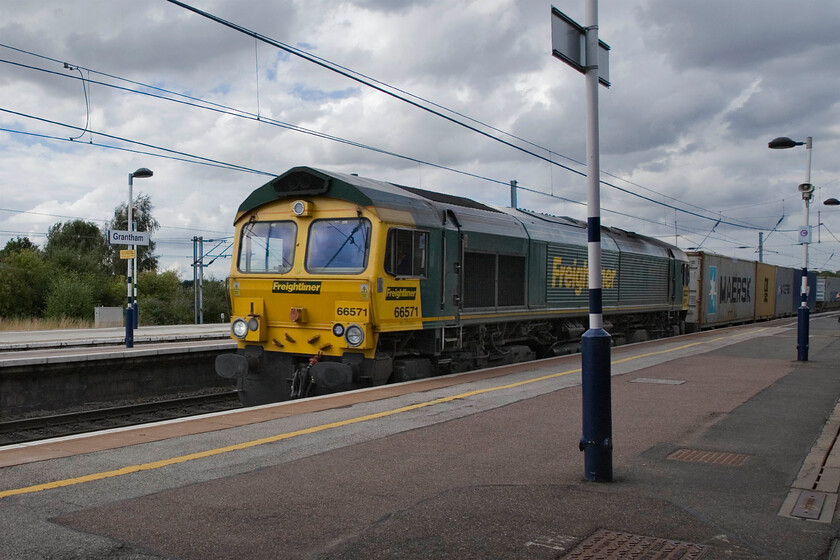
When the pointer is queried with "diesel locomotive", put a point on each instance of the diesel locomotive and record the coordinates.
(339, 281)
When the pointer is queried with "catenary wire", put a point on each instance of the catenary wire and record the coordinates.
(334, 68)
(522, 187)
(257, 117)
(247, 115)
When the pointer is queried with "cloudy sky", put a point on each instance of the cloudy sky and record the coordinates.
(698, 90)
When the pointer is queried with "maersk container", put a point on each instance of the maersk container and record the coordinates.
(784, 289)
(721, 290)
(765, 291)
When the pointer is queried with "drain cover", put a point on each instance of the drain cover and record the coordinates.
(713, 457)
(809, 505)
(610, 545)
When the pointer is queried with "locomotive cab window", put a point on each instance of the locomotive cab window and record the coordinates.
(267, 247)
(338, 246)
(406, 253)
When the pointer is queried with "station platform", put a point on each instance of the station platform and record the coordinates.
(58, 371)
(13, 341)
(724, 449)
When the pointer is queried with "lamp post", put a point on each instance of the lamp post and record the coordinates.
(807, 190)
(131, 305)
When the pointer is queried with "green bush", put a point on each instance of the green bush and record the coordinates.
(24, 284)
(165, 300)
(72, 295)
(158, 311)
(215, 302)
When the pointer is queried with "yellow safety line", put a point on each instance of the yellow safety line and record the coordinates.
(323, 427)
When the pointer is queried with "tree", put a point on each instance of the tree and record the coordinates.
(24, 284)
(76, 254)
(17, 245)
(78, 246)
(141, 215)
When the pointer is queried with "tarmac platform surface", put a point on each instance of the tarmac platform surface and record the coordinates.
(724, 448)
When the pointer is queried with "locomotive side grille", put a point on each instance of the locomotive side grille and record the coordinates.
(511, 280)
(643, 279)
(480, 276)
(494, 280)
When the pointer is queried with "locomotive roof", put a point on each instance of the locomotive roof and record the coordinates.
(548, 227)
(308, 181)
(430, 209)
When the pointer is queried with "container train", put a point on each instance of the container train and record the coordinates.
(727, 291)
(341, 282)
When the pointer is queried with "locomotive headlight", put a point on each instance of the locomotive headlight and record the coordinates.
(338, 329)
(300, 208)
(239, 328)
(253, 324)
(354, 335)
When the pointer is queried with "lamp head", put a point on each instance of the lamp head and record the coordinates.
(831, 202)
(142, 173)
(783, 142)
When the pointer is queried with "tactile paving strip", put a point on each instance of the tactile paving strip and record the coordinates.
(610, 545)
(713, 457)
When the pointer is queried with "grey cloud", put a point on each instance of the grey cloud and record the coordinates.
(388, 6)
(735, 36)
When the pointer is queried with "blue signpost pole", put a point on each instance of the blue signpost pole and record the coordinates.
(129, 307)
(596, 441)
(803, 316)
(129, 326)
(580, 48)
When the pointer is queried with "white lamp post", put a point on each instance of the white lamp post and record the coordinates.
(131, 304)
(807, 190)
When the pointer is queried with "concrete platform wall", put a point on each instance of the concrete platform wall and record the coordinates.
(58, 387)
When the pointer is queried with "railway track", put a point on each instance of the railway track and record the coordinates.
(58, 425)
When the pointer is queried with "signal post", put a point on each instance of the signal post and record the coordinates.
(580, 48)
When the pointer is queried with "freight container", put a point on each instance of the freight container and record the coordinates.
(721, 290)
(784, 288)
(765, 291)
